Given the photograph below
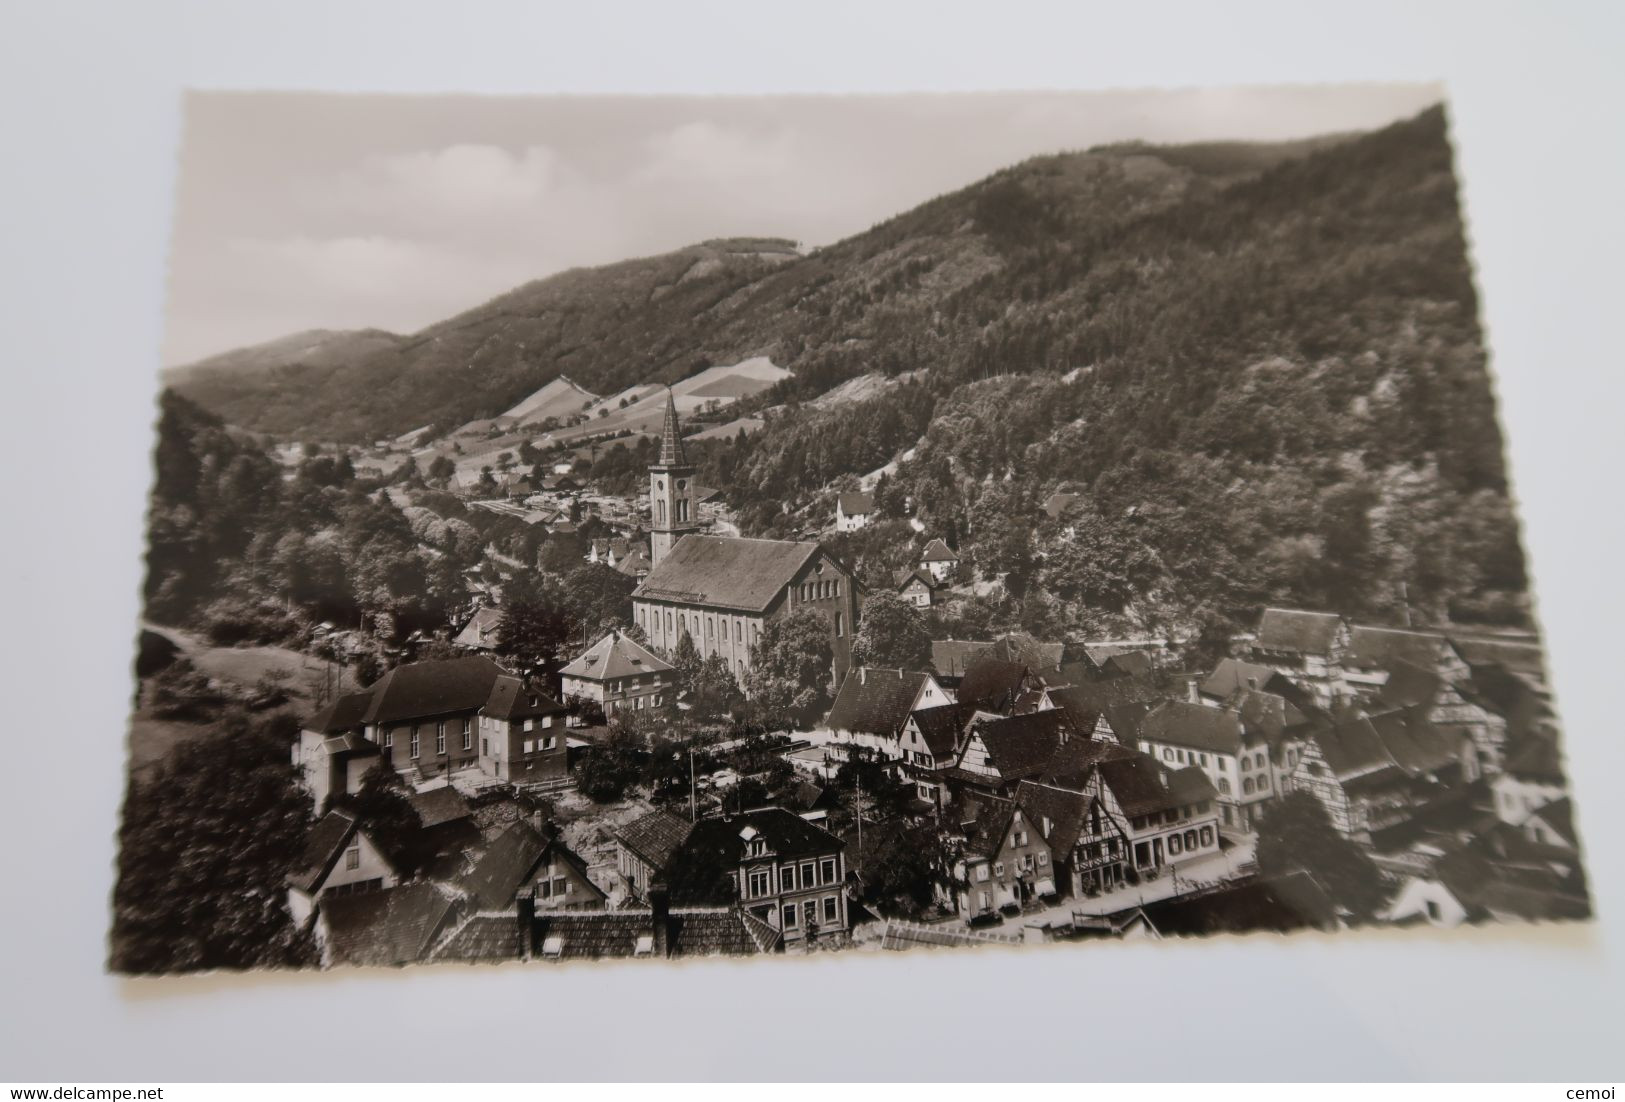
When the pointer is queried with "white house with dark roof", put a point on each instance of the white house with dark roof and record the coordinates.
(619, 674)
(480, 633)
(874, 705)
(1306, 646)
(939, 560)
(723, 590)
(917, 587)
(339, 859)
(852, 510)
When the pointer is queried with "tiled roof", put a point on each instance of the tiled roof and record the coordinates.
(690, 932)
(1375, 648)
(438, 687)
(327, 840)
(1071, 765)
(1409, 684)
(1413, 743)
(1091, 697)
(494, 882)
(1232, 674)
(514, 698)
(615, 656)
(439, 806)
(952, 657)
(1057, 813)
(346, 713)
(856, 504)
(393, 926)
(1019, 747)
(481, 629)
(1193, 726)
(1266, 715)
(655, 837)
(992, 684)
(1536, 758)
(875, 701)
(1143, 785)
(937, 551)
(899, 936)
(905, 578)
(942, 726)
(726, 572)
(1488, 888)
(1351, 748)
(486, 937)
(636, 562)
(1294, 631)
(1133, 663)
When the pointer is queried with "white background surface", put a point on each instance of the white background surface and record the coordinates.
(89, 121)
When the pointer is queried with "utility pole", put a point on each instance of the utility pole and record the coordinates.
(859, 776)
(693, 805)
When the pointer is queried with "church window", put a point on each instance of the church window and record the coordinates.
(661, 506)
(710, 627)
(668, 621)
(682, 508)
(839, 627)
(739, 631)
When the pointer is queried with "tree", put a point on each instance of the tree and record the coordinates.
(891, 633)
(441, 469)
(712, 690)
(384, 811)
(1295, 835)
(685, 658)
(534, 627)
(205, 846)
(600, 596)
(608, 768)
(901, 868)
(182, 691)
(790, 668)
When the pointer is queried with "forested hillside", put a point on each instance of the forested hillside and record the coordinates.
(1259, 366)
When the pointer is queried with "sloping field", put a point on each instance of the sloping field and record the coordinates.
(560, 398)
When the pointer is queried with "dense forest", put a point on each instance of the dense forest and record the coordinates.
(1259, 368)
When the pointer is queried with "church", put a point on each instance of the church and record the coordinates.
(721, 589)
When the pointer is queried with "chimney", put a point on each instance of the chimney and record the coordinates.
(660, 917)
(527, 924)
(1193, 692)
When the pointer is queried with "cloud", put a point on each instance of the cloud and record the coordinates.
(706, 153)
(449, 187)
(397, 281)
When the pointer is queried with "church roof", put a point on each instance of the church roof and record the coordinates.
(726, 572)
(671, 437)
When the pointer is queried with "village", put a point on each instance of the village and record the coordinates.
(1318, 774)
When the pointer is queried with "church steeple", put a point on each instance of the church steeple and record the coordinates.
(671, 436)
(672, 512)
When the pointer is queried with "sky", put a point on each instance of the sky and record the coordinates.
(304, 211)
